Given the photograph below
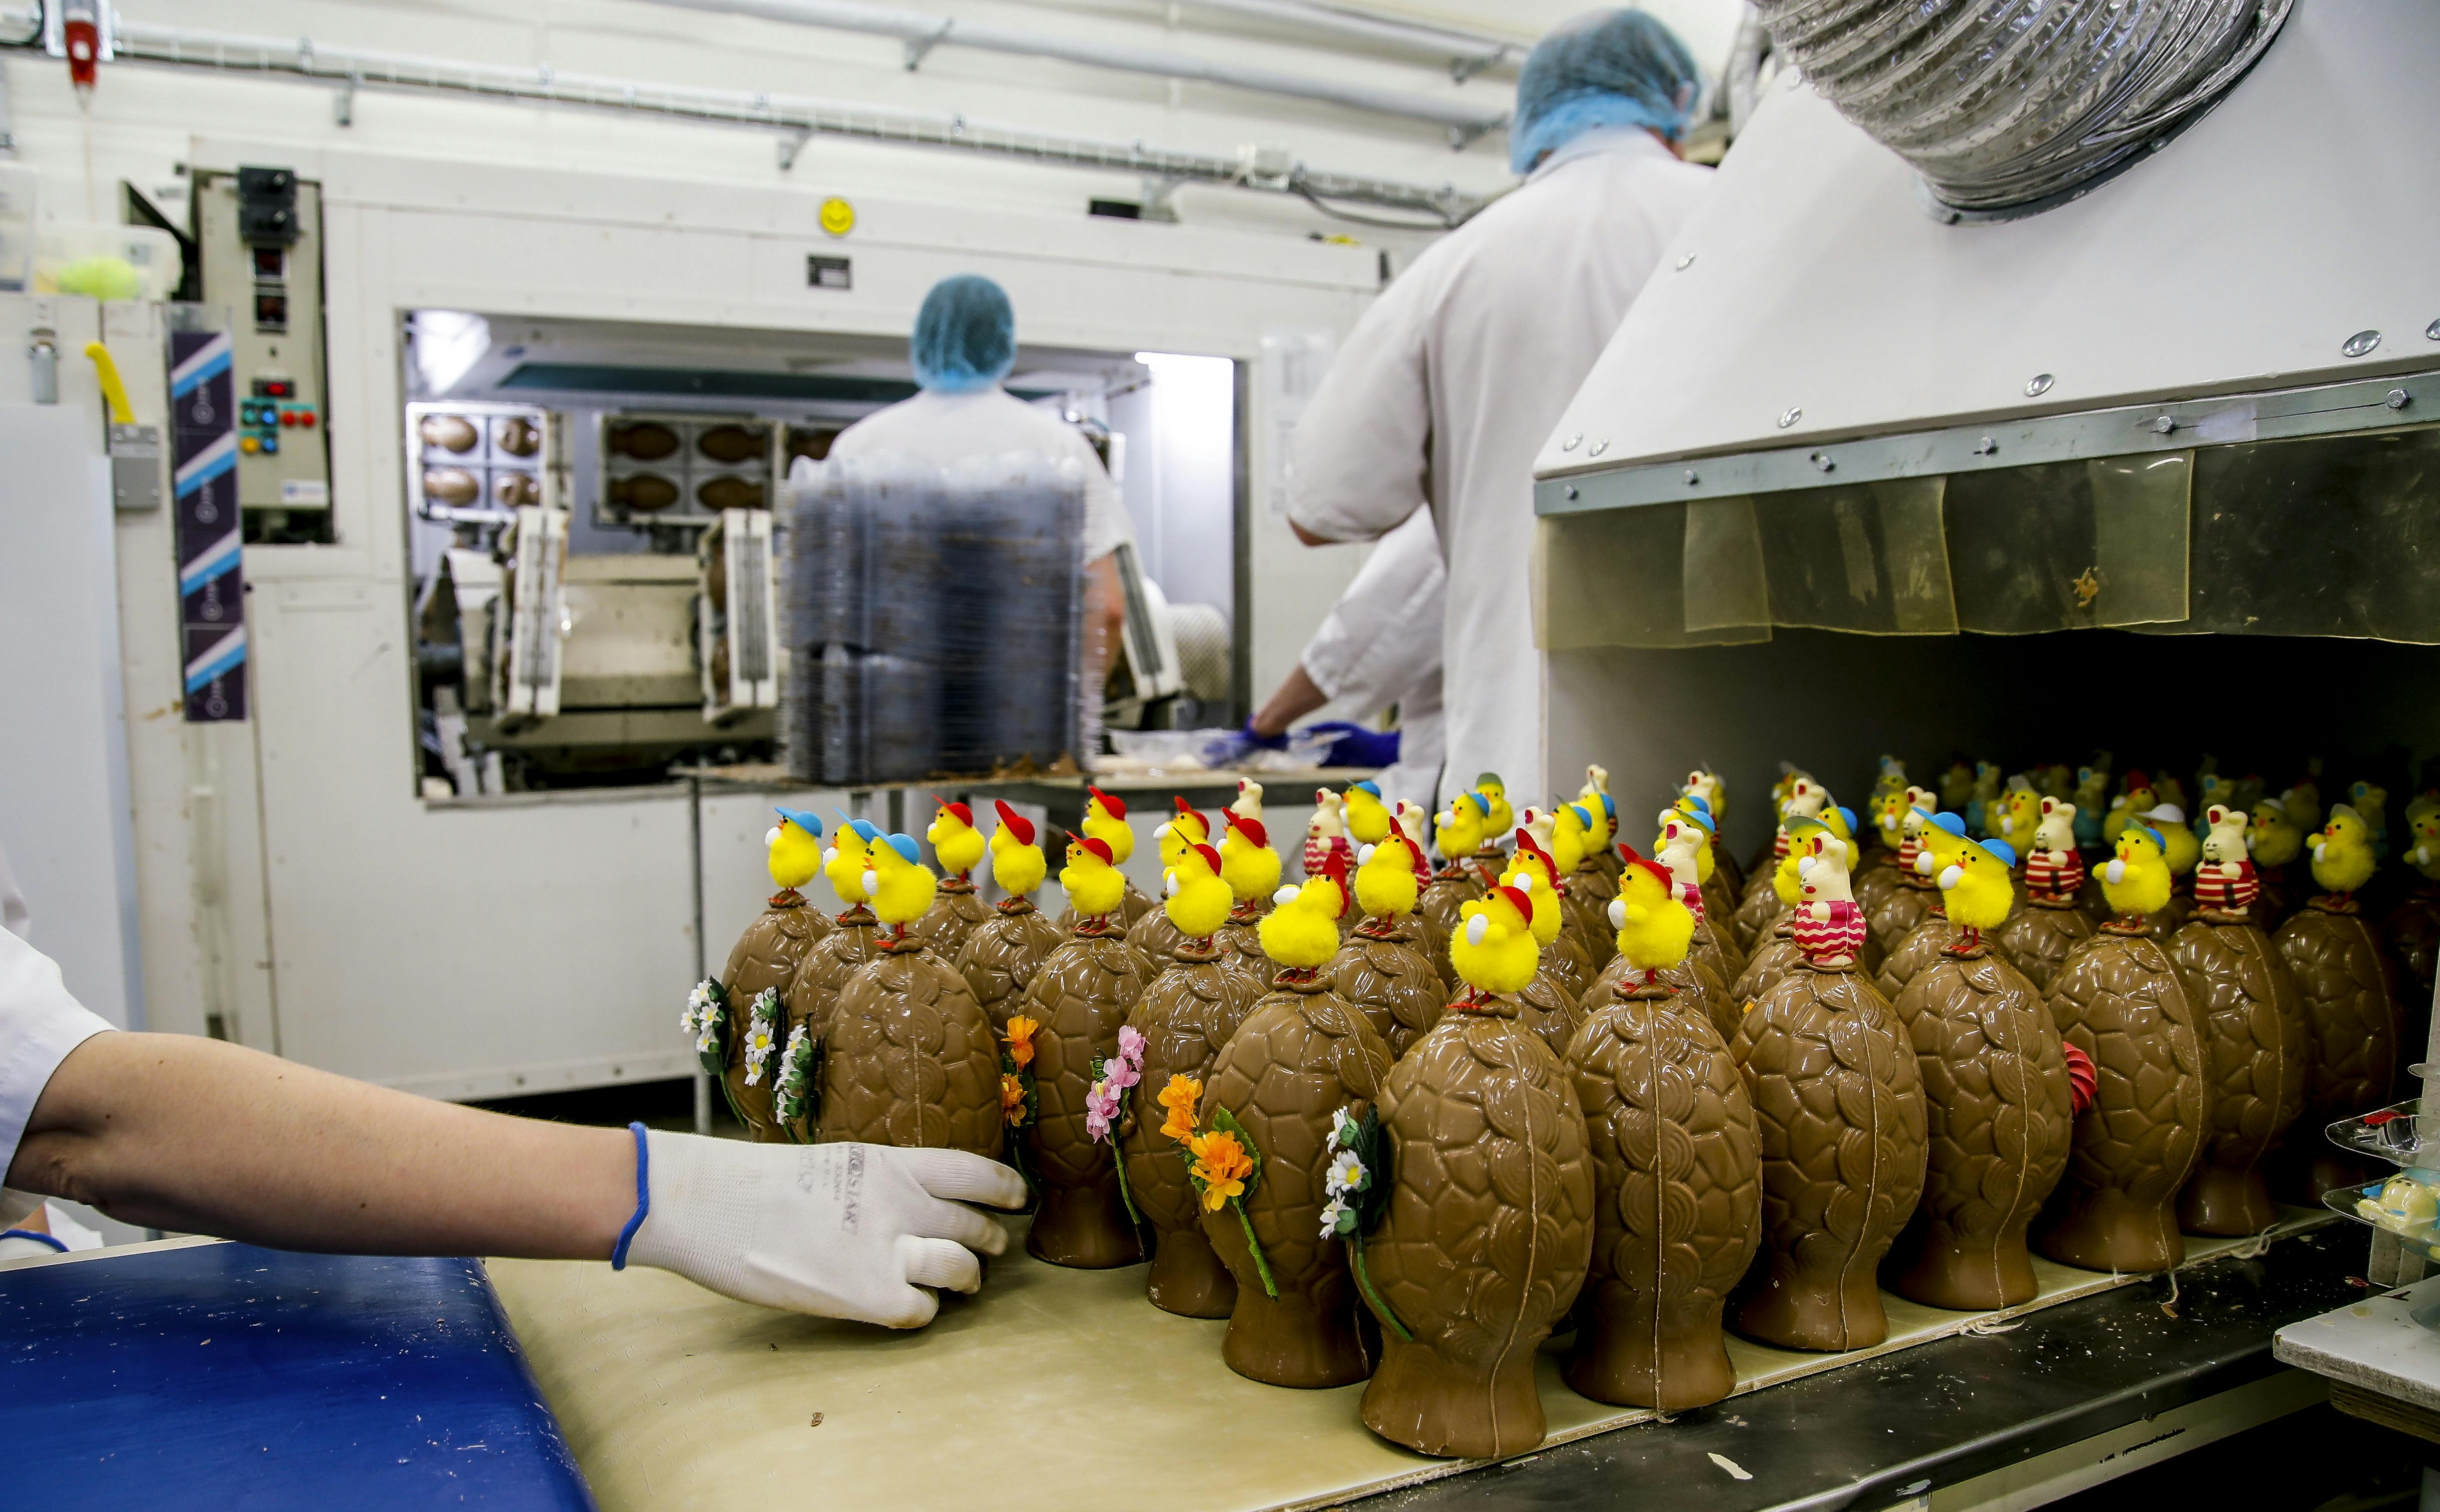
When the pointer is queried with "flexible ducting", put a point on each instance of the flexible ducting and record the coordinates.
(2014, 105)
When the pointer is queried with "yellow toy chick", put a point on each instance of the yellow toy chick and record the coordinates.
(2180, 846)
(1174, 836)
(2123, 809)
(1940, 838)
(1094, 883)
(1976, 890)
(1302, 931)
(1018, 864)
(1458, 828)
(1654, 928)
(844, 863)
(1199, 898)
(2020, 813)
(1493, 948)
(1842, 822)
(1889, 817)
(2274, 840)
(899, 885)
(1247, 862)
(794, 850)
(1387, 879)
(2342, 854)
(1498, 815)
(1105, 820)
(2303, 800)
(1368, 818)
(1530, 873)
(2423, 821)
(1570, 824)
(2136, 881)
(954, 837)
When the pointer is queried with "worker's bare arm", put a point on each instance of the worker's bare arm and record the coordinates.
(1106, 616)
(170, 1131)
(1298, 696)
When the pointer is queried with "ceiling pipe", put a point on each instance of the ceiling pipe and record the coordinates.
(922, 32)
(796, 119)
(1467, 53)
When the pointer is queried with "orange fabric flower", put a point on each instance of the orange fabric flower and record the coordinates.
(1019, 1035)
(1012, 1099)
(1180, 1097)
(1222, 1165)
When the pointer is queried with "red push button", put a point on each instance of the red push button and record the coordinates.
(288, 417)
(305, 418)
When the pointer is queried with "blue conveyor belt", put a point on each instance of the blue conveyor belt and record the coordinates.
(226, 1375)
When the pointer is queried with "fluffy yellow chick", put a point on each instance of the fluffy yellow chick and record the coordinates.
(2180, 846)
(2342, 859)
(2274, 840)
(954, 837)
(1498, 815)
(1529, 871)
(899, 885)
(1957, 785)
(2371, 802)
(2303, 800)
(1597, 801)
(1938, 840)
(1842, 822)
(1386, 883)
(1492, 947)
(1368, 818)
(844, 863)
(2020, 813)
(2423, 821)
(1199, 898)
(1094, 883)
(2136, 881)
(2123, 809)
(1654, 928)
(1458, 828)
(1889, 775)
(1570, 823)
(1302, 931)
(1977, 889)
(795, 849)
(1189, 828)
(1889, 818)
(1105, 820)
(1018, 864)
(1247, 862)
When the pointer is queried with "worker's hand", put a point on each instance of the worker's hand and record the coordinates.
(842, 1230)
(1234, 746)
(1356, 745)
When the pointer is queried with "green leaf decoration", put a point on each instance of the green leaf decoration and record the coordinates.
(1372, 1299)
(1370, 1202)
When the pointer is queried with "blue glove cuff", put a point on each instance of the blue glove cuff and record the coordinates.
(643, 1199)
(52, 1239)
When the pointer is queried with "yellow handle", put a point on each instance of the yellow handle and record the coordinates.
(121, 412)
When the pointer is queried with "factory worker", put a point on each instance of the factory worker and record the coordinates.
(965, 344)
(173, 1131)
(1448, 384)
(1380, 646)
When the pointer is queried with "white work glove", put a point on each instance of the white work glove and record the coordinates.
(841, 1231)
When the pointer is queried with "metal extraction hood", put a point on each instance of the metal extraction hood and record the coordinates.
(2274, 269)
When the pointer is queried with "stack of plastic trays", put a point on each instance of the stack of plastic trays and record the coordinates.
(2407, 1204)
(1013, 538)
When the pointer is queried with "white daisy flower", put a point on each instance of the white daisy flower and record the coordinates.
(1330, 1217)
(1342, 1126)
(1344, 1175)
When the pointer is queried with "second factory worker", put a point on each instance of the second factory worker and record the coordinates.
(1448, 384)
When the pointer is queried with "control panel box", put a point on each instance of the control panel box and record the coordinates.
(259, 236)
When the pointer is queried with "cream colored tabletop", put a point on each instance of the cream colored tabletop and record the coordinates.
(1052, 1391)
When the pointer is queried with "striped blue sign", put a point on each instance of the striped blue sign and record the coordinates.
(210, 536)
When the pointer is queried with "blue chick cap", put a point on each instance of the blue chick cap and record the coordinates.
(2006, 853)
(865, 831)
(1701, 819)
(965, 335)
(1950, 822)
(2156, 836)
(1603, 68)
(804, 820)
(905, 846)
(1848, 815)
(1370, 786)
(1583, 815)
(1610, 809)
(1697, 800)
(1481, 804)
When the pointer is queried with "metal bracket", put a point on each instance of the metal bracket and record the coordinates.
(919, 49)
(1461, 69)
(791, 144)
(1160, 199)
(1466, 135)
(343, 105)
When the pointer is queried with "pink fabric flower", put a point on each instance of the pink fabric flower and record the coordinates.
(1127, 1070)
(1100, 1107)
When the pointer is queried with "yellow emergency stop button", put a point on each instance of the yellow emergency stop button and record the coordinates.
(248, 444)
(838, 216)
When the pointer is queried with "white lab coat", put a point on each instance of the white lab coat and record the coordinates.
(944, 428)
(1381, 645)
(1450, 383)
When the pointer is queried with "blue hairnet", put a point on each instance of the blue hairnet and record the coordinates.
(1606, 68)
(965, 335)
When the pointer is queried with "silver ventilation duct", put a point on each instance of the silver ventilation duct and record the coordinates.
(2010, 106)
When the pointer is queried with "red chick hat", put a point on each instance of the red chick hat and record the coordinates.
(1336, 869)
(1253, 829)
(1525, 841)
(1118, 809)
(1187, 810)
(1210, 857)
(1100, 847)
(958, 810)
(1013, 822)
(1523, 905)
